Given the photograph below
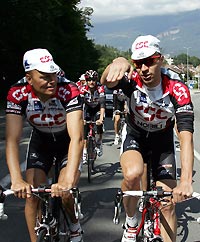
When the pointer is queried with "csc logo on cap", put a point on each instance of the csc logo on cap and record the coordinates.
(45, 59)
(142, 44)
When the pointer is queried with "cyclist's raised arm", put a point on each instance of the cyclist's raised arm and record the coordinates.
(184, 189)
(14, 126)
(115, 71)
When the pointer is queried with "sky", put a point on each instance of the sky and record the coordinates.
(110, 10)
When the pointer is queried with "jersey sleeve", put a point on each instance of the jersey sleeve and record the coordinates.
(17, 100)
(70, 97)
(183, 107)
(102, 96)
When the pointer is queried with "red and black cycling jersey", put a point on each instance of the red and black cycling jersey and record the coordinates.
(93, 101)
(49, 116)
(159, 114)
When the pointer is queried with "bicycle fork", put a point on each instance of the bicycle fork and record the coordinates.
(151, 221)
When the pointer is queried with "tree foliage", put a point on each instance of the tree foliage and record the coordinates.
(107, 54)
(57, 25)
(183, 58)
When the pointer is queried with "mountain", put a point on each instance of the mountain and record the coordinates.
(178, 33)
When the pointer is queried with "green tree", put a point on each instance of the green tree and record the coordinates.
(57, 25)
(182, 59)
(107, 54)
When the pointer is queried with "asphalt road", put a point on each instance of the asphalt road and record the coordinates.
(97, 198)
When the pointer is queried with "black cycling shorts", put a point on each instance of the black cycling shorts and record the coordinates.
(118, 106)
(44, 148)
(157, 147)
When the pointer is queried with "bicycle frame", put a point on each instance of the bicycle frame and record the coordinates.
(49, 221)
(150, 213)
(150, 221)
(91, 148)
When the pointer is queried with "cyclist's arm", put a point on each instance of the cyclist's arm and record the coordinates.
(115, 72)
(75, 130)
(102, 115)
(14, 127)
(102, 107)
(184, 189)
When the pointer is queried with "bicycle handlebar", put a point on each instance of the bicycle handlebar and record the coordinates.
(147, 193)
(4, 193)
(90, 122)
(154, 193)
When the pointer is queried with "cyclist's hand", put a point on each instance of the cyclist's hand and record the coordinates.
(118, 68)
(59, 190)
(183, 191)
(99, 122)
(21, 189)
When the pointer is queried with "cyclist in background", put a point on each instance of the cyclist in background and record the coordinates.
(156, 96)
(53, 107)
(119, 106)
(94, 109)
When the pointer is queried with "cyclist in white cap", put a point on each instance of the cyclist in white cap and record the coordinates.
(156, 96)
(53, 107)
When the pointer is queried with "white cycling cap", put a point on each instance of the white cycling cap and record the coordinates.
(41, 60)
(82, 77)
(145, 46)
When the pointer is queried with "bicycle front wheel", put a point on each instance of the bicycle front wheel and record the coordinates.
(42, 236)
(91, 158)
(63, 227)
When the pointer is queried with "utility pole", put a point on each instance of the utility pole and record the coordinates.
(187, 48)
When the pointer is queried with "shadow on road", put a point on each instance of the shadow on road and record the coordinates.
(183, 210)
(102, 173)
(94, 200)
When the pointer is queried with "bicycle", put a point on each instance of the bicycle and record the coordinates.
(149, 226)
(91, 148)
(52, 223)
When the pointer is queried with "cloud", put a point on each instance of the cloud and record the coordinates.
(109, 10)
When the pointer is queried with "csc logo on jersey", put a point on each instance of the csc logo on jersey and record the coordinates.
(150, 113)
(63, 93)
(180, 92)
(19, 94)
(47, 119)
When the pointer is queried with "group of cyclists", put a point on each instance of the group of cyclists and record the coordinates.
(152, 97)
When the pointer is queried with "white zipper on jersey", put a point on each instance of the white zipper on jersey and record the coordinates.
(54, 138)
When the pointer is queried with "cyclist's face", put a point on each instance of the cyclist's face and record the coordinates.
(91, 83)
(43, 84)
(149, 69)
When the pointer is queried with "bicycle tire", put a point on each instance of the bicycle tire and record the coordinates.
(62, 232)
(150, 182)
(91, 155)
(42, 236)
(63, 228)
